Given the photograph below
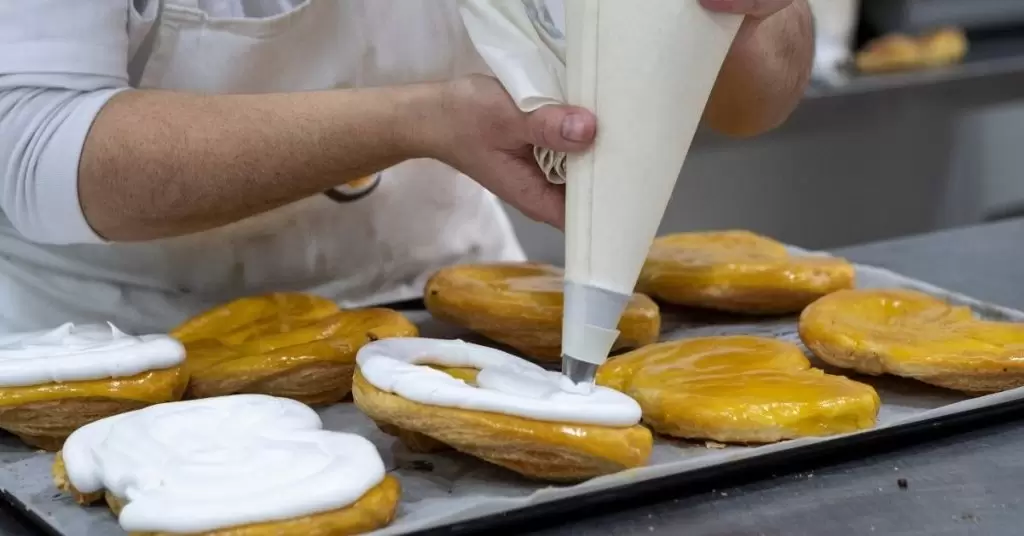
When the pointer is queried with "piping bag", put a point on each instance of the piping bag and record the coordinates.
(646, 69)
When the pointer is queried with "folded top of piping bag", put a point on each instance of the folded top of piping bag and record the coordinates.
(525, 49)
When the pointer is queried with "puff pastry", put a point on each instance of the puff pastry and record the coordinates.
(899, 52)
(55, 382)
(243, 465)
(486, 403)
(914, 335)
(738, 272)
(520, 305)
(738, 389)
(293, 345)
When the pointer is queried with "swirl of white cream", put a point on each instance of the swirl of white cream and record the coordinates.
(77, 353)
(201, 465)
(505, 384)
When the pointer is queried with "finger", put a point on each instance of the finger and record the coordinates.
(753, 8)
(543, 202)
(549, 206)
(562, 128)
(528, 191)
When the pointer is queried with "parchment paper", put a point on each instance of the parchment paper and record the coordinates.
(442, 489)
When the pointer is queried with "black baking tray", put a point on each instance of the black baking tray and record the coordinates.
(691, 483)
(739, 472)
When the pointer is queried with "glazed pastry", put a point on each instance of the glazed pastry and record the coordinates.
(242, 465)
(911, 334)
(437, 394)
(292, 345)
(738, 389)
(53, 382)
(898, 52)
(520, 305)
(738, 272)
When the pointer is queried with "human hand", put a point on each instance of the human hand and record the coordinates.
(488, 138)
(755, 9)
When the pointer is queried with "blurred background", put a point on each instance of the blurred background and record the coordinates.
(914, 122)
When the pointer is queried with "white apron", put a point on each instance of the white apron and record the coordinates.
(374, 241)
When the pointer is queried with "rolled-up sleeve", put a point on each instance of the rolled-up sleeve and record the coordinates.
(60, 62)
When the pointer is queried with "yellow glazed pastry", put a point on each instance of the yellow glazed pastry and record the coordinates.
(436, 394)
(738, 389)
(241, 465)
(914, 335)
(373, 510)
(899, 52)
(520, 305)
(54, 382)
(293, 345)
(44, 415)
(739, 272)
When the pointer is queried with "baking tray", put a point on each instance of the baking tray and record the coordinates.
(454, 494)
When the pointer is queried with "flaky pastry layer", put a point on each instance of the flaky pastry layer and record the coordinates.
(520, 305)
(914, 335)
(738, 272)
(738, 389)
(43, 416)
(542, 450)
(291, 345)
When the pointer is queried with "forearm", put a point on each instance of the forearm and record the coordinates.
(160, 164)
(765, 73)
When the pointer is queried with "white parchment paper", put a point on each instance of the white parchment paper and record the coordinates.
(439, 490)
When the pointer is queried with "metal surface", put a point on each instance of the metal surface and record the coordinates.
(963, 485)
(10, 526)
(578, 371)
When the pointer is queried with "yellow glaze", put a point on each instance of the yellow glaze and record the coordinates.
(738, 271)
(548, 451)
(912, 334)
(520, 305)
(738, 389)
(374, 510)
(152, 387)
(294, 345)
(44, 415)
(899, 52)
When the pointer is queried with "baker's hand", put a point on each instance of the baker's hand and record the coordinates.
(755, 9)
(489, 139)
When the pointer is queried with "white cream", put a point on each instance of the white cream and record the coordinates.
(77, 353)
(201, 465)
(505, 384)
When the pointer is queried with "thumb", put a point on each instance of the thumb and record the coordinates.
(562, 128)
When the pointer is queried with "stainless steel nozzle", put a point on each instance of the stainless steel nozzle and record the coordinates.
(578, 371)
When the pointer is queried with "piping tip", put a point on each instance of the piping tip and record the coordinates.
(578, 372)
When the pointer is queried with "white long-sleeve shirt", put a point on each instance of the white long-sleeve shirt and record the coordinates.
(61, 61)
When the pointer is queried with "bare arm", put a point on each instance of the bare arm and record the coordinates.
(159, 164)
(84, 158)
(765, 73)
